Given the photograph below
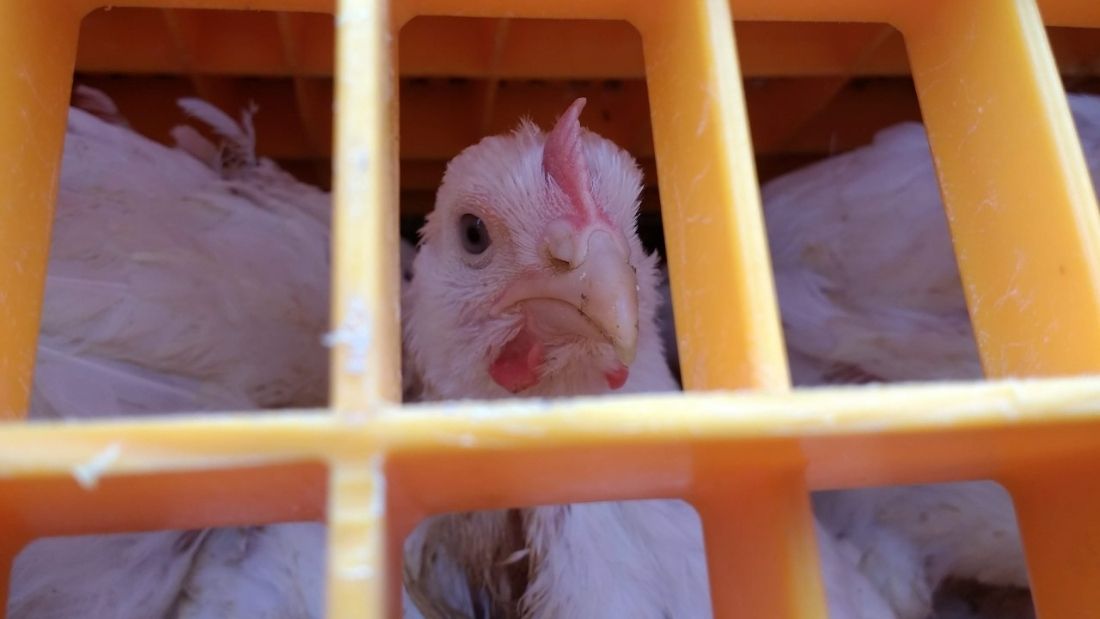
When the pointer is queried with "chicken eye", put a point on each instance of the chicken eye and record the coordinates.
(475, 237)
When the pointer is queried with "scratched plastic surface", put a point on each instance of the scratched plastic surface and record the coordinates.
(747, 449)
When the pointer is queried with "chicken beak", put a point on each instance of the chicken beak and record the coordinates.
(598, 282)
(608, 288)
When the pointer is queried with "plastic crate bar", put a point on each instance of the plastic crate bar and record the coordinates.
(1013, 178)
(531, 452)
(37, 48)
(366, 304)
(360, 576)
(747, 460)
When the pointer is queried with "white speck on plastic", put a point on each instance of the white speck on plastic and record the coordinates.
(355, 16)
(88, 474)
(355, 333)
(358, 572)
(361, 158)
(376, 509)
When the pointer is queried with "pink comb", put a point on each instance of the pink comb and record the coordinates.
(563, 159)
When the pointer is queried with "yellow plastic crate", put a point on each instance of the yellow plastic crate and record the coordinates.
(745, 453)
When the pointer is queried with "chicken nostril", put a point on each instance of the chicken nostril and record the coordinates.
(560, 265)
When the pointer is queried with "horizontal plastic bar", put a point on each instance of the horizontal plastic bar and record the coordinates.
(983, 411)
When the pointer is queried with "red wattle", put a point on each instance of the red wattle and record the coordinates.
(516, 367)
(617, 378)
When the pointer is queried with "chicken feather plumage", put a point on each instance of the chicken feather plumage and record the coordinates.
(180, 279)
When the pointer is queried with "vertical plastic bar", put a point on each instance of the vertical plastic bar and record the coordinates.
(357, 569)
(760, 543)
(1058, 508)
(10, 547)
(761, 551)
(1027, 235)
(37, 54)
(1015, 185)
(403, 514)
(366, 303)
(727, 319)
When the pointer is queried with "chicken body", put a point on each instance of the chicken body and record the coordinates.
(869, 291)
(187, 279)
(867, 280)
(161, 294)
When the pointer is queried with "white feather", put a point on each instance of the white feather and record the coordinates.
(190, 141)
(238, 137)
(215, 281)
(173, 289)
(97, 102)
(273, 572)
(103, 576)
(864, 267)
(69, 385)
(863, 262)
(868, 285)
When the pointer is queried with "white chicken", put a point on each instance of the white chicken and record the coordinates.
(530, 261)
(161, 298)
(867, 281)
(869, 291)
(160, 284)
